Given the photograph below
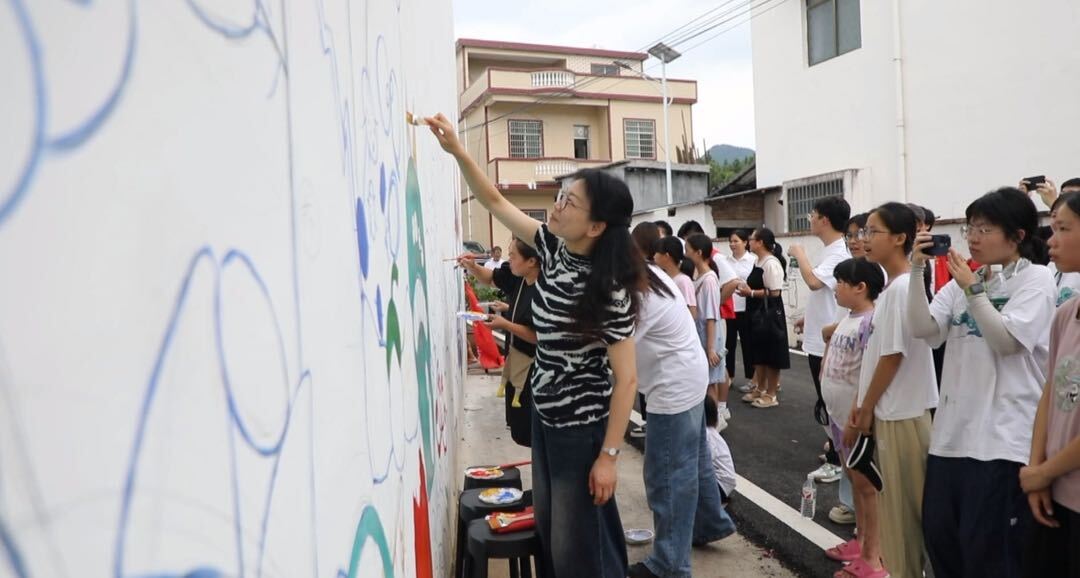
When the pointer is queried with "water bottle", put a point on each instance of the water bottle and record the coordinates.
(809, 497)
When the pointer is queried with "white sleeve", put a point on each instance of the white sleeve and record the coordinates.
(724, 271)
(774, 274)
(1022, 323)
(892, 322)
(825, 271)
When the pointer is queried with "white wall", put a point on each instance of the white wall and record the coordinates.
(227, 345)
(989, 97)
(699, 212)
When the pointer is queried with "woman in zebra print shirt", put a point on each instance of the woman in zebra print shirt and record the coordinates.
(586, 304)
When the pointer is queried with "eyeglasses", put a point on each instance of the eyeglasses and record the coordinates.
(972, 232)
(867, 234)
(562, 199)
(853, 236)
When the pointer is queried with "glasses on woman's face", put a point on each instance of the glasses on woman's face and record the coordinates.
(868, 233)
(976, 231)
(563, 199)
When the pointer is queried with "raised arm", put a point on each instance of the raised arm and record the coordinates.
(523, 226)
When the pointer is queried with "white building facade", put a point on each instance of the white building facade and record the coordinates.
(932, 103)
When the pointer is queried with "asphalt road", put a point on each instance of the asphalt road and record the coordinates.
(775, 448)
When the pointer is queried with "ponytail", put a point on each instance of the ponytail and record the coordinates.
(703, 244)
(768, 239)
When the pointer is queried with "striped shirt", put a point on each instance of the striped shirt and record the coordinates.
(571, 377)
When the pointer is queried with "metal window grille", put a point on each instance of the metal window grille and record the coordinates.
(801, 198)
(526, 139)
(640, 139)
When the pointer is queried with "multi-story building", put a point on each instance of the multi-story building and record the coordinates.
(530, 113)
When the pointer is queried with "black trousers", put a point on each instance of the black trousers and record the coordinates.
(738, 331)
(975, 518)
(1054, 551)
(819, 407)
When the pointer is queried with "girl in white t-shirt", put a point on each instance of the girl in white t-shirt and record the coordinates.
(858, 284)
(897, 389)
(995, 324)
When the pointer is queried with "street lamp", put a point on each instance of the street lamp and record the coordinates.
(665, 54)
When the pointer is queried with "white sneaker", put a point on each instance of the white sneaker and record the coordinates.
(726, 413)
(828, 473)
(721, 422)
(842, 515)
(746, 387)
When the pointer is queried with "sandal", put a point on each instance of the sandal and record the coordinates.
(753, 395)
(765, 401)
(860, 568)
(846, 552)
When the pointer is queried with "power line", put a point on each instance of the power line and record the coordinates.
(713, 23)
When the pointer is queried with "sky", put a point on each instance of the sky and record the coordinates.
(724, 113)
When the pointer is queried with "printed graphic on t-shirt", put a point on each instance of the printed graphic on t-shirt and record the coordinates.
(845, 353)
(1064, 294)
(966, 321)
(1067, 384)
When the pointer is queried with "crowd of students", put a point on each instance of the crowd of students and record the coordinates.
(988, 485)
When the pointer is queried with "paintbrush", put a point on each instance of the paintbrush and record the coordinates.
(415, 119)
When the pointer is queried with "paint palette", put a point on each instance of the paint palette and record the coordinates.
(500, 496)
(638, 537)
(484, 473)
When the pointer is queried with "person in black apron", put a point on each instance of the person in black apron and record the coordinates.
(516, 278)
(768, 321)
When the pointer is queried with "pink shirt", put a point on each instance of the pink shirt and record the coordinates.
(1063, 426)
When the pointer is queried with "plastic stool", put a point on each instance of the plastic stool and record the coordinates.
(470, 508)
(516, 547)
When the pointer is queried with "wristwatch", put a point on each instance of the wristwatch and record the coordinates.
(613, 452)
(975, 289)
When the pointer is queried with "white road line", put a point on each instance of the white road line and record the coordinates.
(785, 514)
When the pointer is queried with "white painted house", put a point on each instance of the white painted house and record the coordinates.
(917, 101)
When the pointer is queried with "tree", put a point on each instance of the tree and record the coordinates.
(721, 173)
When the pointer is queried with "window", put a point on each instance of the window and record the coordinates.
(832, 28)
(605, 69)
(537, 214)
(581, 142)
(526, 139)
(802, 196)
(640, 138)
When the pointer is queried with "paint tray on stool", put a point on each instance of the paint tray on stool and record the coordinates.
(500, 496)
(639, 536)
(484, 472)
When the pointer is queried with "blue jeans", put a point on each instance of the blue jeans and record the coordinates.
(681, 486)
(578, 539)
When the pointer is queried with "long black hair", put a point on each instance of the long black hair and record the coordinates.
(672, 247)
(616, 261)
(703, 244)
(1018, 218)
(645, 236)
(768, 239)
(742, 234)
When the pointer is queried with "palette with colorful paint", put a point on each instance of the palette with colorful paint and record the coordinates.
(484, 473)
(500, 496)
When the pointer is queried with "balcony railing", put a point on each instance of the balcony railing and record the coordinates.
(555, 168)
(552, 79)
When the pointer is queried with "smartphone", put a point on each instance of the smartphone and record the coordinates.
(942, 243)
(1034, 182)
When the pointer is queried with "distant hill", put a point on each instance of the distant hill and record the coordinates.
(721, 153)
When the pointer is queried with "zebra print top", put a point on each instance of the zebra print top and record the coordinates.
(570, 379)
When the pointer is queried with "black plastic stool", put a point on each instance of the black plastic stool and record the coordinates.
(471, 508)
(511, 478)
(517, 547)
